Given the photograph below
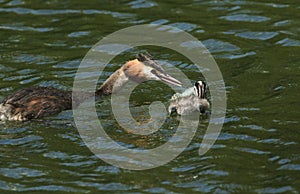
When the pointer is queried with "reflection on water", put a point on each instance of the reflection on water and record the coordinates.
(256, 45)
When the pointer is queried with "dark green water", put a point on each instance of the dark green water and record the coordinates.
(256, 45)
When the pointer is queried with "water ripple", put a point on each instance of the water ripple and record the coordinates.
(4, 69)
(215, 46)
(288, 42)
(184, 26)
(272, 190)
(290, 167)
(15, 2)
(22, 11)
(157, 190)
(63, 156)
(199, 185)
(24, 28)
(19, 10)
(114, 14)
(78, 34)
(257, 35)
(20, 173)
(252, 151)
(108, 169)
(15, 78)
(229, 136)
(26, 71)
(73, 64)
(236, 56)
(20, 141)
(245, 18)
(137, 4)
(30, 80)
(33, 59)
(78, 164)
(104, 187)
(160, 22)
(282, 23)
(214, 172)
(253, 127)
(276, 5)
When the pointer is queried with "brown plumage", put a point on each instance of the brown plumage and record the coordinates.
(38, 102)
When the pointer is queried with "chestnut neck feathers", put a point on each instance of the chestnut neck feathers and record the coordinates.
(131, 70)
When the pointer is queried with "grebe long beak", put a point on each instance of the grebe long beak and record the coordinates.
(167, 78)
(156, 70)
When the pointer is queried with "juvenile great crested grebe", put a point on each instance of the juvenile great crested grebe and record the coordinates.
(191, 100)
(38, 102)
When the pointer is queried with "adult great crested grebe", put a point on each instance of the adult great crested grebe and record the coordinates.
(38, 102)
(191, 100)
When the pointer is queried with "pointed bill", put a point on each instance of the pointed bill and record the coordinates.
(158, 71)
(168, 79)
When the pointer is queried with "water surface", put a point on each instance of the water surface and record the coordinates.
(256, 45)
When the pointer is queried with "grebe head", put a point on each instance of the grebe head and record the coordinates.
(191, 100)
(144, 68)
(200, 89)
